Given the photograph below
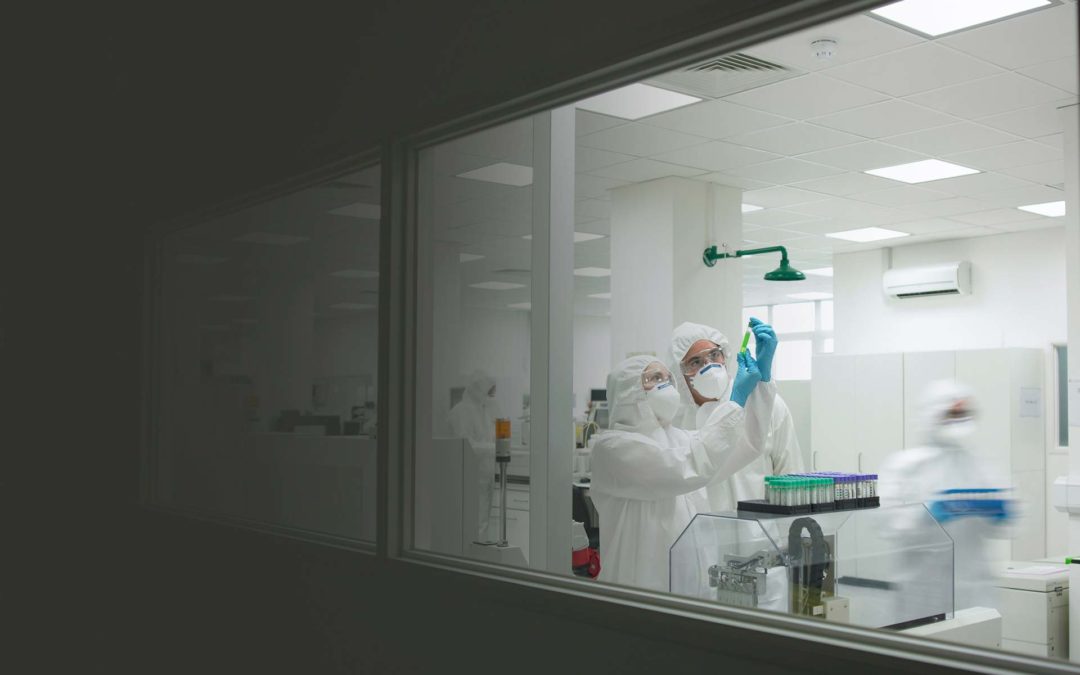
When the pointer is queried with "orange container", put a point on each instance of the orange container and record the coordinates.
(502, 428)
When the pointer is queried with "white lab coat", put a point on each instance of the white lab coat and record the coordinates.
(473, 418)
(782, 453)
(647, 479)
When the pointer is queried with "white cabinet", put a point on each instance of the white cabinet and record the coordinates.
(866, 406)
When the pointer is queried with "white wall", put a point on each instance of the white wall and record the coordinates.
(496, 341)
(592, 356)
(1018, 299)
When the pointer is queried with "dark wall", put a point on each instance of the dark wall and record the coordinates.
(140, 113)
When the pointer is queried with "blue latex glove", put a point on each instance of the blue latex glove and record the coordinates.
(764, 347)
(745, 380)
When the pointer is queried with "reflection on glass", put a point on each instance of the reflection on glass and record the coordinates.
(267, 340)
(795, 317)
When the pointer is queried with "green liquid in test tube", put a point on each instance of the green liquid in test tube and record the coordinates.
(745, 341)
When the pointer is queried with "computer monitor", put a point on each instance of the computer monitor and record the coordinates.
(598, 394)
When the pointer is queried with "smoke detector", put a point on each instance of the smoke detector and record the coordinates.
(823, 49)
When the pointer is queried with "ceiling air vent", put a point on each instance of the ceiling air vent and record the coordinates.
(726, 75)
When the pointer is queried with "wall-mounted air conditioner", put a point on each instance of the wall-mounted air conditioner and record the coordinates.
(917, 282)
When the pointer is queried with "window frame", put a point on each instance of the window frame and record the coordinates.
(399, 305)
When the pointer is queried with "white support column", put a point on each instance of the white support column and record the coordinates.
(552, 434)
(1071, 127)
(659, 231)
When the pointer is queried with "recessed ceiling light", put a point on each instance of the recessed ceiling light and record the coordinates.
(592, 272)
(937, 17)
(196, 259)
(636, 101)
(812, 295)
(520, 305)
(578, 237)
(866, 234)
(469, 257)
(600, 296)
(231, 298)
(355, 274)
(820, 272)
(747, 208)
(496, 285)
(921, 172)
(271, 238)
(355, 306)
(503, 173)
(359, 210)
(1051, 209)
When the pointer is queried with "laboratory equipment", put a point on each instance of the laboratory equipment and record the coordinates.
(856, 566)
(745, 341)
(783, 273)
(502, 459)
(802, 493)
(1034, 603)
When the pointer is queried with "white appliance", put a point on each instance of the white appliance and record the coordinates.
(913, 282)
(1034, 603)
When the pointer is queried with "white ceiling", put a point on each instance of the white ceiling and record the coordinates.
(986, 98)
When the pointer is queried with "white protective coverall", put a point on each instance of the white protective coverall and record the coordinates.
(782, 454)
(647, 476)
(473, 418)
(944, 463)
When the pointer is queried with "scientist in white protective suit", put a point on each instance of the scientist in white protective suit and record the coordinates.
(956, 487)
(647, 474)
(473, 418)
(701, 355)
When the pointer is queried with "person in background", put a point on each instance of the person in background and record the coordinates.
(473, 418)
(701, 354)
(955, 486)
(648, 475)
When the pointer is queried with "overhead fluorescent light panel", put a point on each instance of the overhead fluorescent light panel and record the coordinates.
(922, 172)
(938, 17)
(635, 101)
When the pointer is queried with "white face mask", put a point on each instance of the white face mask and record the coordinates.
(711, 381)
(958, 431)
(664, 401)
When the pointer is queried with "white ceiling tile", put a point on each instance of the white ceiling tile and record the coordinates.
(795, 139)
(1026, 225)
(887, 118)
(989, 96)
(715, 119)
(914, 69)
(857, 37)
(1061, 73)
(780, 196)
(929, 226)
(767, 235)
(638, 139)
(996, 217)
(589, 122)
(715, 156)
(1033, 122)
(808, 96)
(901, 195)
(863, 156)
(1043, 35)
(1020, 153)
(846, 184)
(864, 214)
(1053, 140)
(774, 217)
(594, 187)
(965, 233)
(736, 181)
(587, 159)
(944, 208)
(592, 209)
(945, 140)
(1036, 194)
(641, 170)
(1046, 173)
(784, 170)
(974, 184)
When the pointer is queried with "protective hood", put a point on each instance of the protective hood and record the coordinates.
(629, 410)
(480, 383)
(935, 402)
(682, 338)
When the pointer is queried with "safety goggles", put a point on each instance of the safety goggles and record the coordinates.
(692, 364)
(654, 376)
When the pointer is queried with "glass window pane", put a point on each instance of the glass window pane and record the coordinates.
(761, 312)
(826, 315)
(1063, 394)
(792, 360)
(796, 317)
(475, 222)
(268, 342)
